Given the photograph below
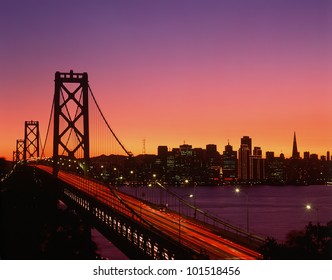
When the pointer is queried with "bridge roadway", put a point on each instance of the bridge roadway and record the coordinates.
(193, 235)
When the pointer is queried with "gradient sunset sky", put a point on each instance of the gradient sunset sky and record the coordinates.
(171, 71)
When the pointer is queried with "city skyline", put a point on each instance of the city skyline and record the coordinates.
(173, 71)
(220, 149)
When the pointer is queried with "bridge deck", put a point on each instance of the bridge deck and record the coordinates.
(187, 232)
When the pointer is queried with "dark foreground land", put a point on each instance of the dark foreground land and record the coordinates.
(34, 227)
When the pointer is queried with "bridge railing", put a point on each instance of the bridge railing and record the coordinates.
(176, 203)
(210, 218)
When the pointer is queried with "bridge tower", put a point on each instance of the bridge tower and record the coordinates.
(31, 139)
(71, 117)
(19, 153)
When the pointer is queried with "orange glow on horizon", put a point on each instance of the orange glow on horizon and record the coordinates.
(212, 73)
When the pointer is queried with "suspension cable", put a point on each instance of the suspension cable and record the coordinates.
(48, 129)
(101, 113)
(210, 216)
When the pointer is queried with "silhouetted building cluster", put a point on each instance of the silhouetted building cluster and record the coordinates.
(245, 166)
(186, 165)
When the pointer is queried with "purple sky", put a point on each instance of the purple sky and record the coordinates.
(199, 71)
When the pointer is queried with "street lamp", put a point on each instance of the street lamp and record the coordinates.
(154, 175)
(132, 177)
(309, 207)
(237, 190)
(194, 196)
(115, 176)
(179, 223)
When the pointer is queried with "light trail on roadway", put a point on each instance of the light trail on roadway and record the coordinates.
(183, 230)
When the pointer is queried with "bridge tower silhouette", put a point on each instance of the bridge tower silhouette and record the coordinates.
(19, 153)
(31, 139)
(71, 94)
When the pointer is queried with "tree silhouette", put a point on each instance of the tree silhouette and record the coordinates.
(312, 243)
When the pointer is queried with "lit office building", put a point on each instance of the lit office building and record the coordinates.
(229, 164)
(244, 162)
(257, 165)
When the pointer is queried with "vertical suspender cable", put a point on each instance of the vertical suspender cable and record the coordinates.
(101, 113)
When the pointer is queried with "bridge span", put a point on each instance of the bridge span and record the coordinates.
(140, 230)
(136, 227)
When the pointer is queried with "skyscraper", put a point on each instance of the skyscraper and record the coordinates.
(246, 140)
(258, 152)
(269, 155)
(162, 152)
(306, 155)
(244, 162)
(213, 164)
(257, 165)
(186, 150)
(295, 153)
(212, 155)
(229, 164)
(161, 161)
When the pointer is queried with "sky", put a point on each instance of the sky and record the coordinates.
(174, 72)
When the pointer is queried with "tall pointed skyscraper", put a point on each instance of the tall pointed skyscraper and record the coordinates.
(295, 153)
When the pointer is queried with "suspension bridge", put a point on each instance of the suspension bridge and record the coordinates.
(77, 136)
